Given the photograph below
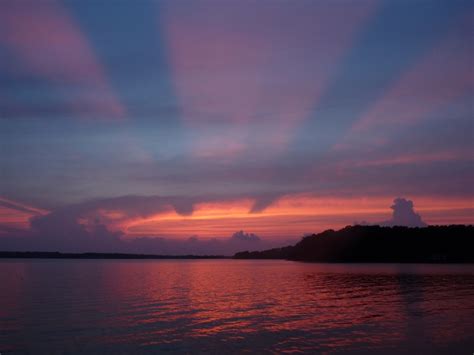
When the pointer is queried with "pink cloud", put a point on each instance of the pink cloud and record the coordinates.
(15, 215)
(441, 76)
(236, 63)
(50, 44)
(413, 158)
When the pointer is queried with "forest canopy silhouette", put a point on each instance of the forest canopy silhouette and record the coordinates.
(378, 244)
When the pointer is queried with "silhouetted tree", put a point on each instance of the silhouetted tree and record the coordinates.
(379, 244)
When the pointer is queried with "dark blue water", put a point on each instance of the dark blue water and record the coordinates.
(234, 306)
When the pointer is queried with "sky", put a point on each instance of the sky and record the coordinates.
(211, 126)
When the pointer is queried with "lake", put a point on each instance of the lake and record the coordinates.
(233, 306)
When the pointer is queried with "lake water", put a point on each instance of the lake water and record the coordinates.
(234, 306)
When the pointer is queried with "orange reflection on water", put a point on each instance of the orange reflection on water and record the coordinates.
(236, 305)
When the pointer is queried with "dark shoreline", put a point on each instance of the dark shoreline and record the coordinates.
(352, 244)
(375, 244)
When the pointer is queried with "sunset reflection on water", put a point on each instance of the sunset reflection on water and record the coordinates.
(234, 306)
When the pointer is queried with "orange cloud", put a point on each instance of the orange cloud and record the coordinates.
(17, 215)
(290, 216)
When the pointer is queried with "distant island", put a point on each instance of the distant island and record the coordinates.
(376, 244)
(58, 255)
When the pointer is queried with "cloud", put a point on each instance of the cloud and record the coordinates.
(48, 43)
(114, 210)
(263, 202)
(74, 237)
(195, 245)
(21, 207)
(238, 60)
(107, 225)
(404, 214)
(97, 226)
(246, 237)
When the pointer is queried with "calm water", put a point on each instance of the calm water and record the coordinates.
(217, 306)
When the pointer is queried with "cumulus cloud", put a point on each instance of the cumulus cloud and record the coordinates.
(404, 214)
(245, 237)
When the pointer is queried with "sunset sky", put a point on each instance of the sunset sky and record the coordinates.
(188, 121)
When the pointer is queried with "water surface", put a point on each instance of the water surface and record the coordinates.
(123, 306)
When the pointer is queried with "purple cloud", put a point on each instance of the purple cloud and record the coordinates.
(404, 214)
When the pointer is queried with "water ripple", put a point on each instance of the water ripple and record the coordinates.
(94, 306)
